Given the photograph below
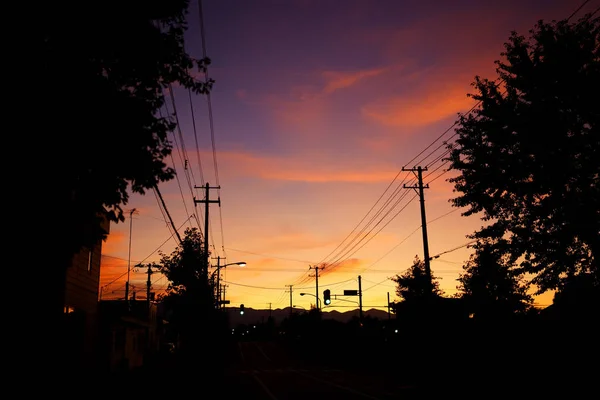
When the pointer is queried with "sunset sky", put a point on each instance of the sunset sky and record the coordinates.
(316, 108)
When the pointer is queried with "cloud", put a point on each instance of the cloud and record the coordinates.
(420, 108)
(350, 264)
(336, 80)
(241, 94)
(113, 244)
(319, 169)
(307, 102)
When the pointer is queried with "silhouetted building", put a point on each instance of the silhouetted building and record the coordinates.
(81, 306)
(130, 333)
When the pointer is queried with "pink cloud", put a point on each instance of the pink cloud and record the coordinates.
(305, 169)
(419, 109)
(307, 103)
(113, 243)
(336, 80)
(241, 94)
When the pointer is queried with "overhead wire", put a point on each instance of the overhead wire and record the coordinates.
(185, 159)
(498, 82)
(141, 262)
(211, 122)
(449, 147)
(437, 159)
(183, 163)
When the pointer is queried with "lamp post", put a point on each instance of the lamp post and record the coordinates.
(217, 271)
(318, 299)
(129, 256)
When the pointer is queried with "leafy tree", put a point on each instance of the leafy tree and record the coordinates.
(186, 268)
(413, 285)
(189, 296)
(529, 156)
(491, 287)
(102, 72)
(578, 298)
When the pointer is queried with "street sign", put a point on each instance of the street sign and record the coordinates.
(225, 302)
(350, 292)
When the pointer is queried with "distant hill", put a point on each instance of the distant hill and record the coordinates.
(252, 316)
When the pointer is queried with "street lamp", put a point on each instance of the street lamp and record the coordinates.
(129, 257)
(310, 294)
(217, 271)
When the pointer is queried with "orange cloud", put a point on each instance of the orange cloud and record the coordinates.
(427, 106)
(113, 243)
(304, 169)
(350, 264)
(341, 80)
(307, 104)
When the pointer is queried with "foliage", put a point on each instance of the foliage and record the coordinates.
(189, 300)
(491, 286)
(111, 66)
(529, 156)
(578, 296)
(186, 268)
(414, 285)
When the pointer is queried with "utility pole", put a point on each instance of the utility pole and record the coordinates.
(270, 311)
(148, 285)
(360, 310)
(129, 257)
(420, 187)
(316, 268)
(389, 314)
(223, 294)
(218, 285)
(206, 202)
(291, 301)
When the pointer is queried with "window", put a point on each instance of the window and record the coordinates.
(89, 265)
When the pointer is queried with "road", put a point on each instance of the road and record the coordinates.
(267, 370)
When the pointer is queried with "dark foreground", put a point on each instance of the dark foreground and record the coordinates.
(277, 369)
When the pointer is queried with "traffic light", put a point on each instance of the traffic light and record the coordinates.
(327, 297)
(241, 309)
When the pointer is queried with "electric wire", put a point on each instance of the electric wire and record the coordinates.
(211, 121)
(141, 262)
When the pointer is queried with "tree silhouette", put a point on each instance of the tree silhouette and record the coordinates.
(529, 156)
(103, 74)
(490, 286)
(189, 297)
(413, 284)
(186, 268)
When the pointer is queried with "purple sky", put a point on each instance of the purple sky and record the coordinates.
(316, 107)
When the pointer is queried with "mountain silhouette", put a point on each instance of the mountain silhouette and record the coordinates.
(257, 316)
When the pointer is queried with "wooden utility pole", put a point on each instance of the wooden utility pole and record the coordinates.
(420, 188)
(316, 268)
(129, 257)
(223, 295)
(389, 314)
(291, 300)
(218, 284)
(148, 285)
(206, 202)
(360, 310)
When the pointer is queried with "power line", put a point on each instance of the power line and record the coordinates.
(167, 213)
(211, 119)
(195, 135)
(449, 147)
(180, 149)
(272, 256)
(187, 171)
(141, 262)
(578, 9)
